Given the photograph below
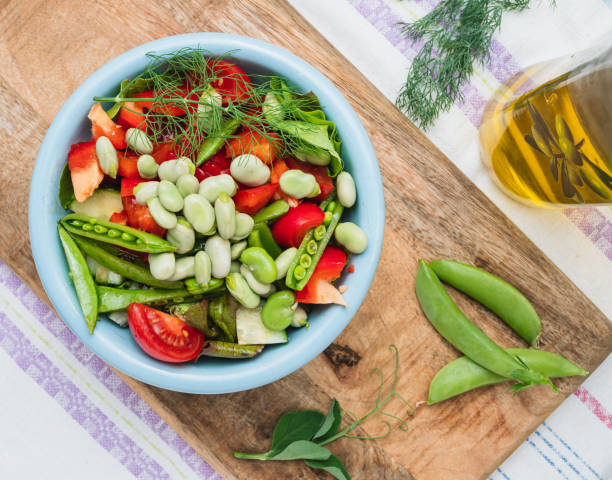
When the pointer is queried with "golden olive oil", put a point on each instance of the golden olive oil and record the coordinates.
(552, 146)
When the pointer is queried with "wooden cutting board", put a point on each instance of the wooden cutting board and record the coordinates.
(49, 47)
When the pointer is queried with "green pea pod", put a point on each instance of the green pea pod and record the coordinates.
(271, 212)
(314, 243)
(194, 288)
(196, 316)
(222, 310)
(123, 267)
(213, 143)
(462, 375)
(81, 278)
(261, 236)
(229, 350)
(494, 293)
(454, 326)
(115, 234)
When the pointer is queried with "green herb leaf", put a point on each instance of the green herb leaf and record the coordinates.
(127, 89)
(302, 450)
(330, 425)
(332, 465)
(65, 193)
(295, 426)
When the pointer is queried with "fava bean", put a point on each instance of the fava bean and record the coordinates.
(147, 166)
(277, 313)
(250, 170)
(259, 288)
(199, 213)
(283, 261)
(244, 226)
(345, 186)
(300, 318)
(169, 196)
(240, 290)
(351, 237)
(298, 184)
(107, 156)
(211, 187)
(187, 184)
(185, 163)
(162, 265)
(182, 236)
(138, 141)
(225, 214)
(162, 217)
(238, 248)
(202, 268)
(219, 251)
(260, 263)
(144, 191)
(172, 170)
(184, 267)
(271, 212)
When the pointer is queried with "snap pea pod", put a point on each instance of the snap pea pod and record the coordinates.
(494, 293)
(271, 212)
(222, 311)
(261, 236)
(214, 142)
(314, 243)
(123, 267)
(116, 234)
(81, 278)
(454, 326)
(218, 349)
(463, 374)
(194, 288)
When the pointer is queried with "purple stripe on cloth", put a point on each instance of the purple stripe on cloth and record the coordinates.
(594, 225)
(103, 372)
(76, 404)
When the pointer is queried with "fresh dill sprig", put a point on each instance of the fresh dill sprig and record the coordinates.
(455, 35)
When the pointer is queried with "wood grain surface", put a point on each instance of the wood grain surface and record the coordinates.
(49, 47)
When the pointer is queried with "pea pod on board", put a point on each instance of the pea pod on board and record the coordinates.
(494, 293)
(312, 246)
(218, 349)
(123, 267)
(115, 234)
(81, 278)
(463, 374)
(459, 331)
(214, 142)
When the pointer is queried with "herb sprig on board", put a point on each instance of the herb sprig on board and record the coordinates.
(302, 435)
(456, 35)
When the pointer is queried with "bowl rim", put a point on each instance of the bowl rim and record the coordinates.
(47, 264)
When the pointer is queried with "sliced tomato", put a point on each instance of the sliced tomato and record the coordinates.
(231, 81)
(250, 141)
(119, 217)
(128, 185)
(252, 200)
(128, 165)
(289, 230)
(163, 151)
(132, 115)
(84, 169)
(103, 125)
(320, 173)
(138, 216)
(163, 336)
(216, 165)
(319, 288)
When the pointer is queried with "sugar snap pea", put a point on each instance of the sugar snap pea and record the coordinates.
(271, 212)
(116, 234)
(261, 236)
(214, 285)
(81, 278)
(312, 247)
(494, 293)
(121, 266)
(466, 337)
(214, 142)
(214, 348)
(222, 311)
(463, 374)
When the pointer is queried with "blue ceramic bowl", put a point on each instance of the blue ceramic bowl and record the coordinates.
(115, 345)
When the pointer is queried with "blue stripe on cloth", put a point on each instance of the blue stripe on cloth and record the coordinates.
(548, 460)
(559, 454)
(565, 444)
(506, 477)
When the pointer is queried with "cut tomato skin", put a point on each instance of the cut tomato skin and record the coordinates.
(163, 336)
(128, 165)
(232, 82)
(289, 230)
(163, 151)
(131, 115)
(320, 173)
(84, 169)
(250, 141)
(103, 125)
(252, 200)
(319, 289)
(138, 216)
(119, 217)
(129, 184)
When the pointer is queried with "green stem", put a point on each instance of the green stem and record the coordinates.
(251, 456)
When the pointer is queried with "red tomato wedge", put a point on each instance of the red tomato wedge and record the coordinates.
(250, 141)
(232, 83)
(131, 115)
(319, 288)
(320, 173)
(128, 165)
(129, 184)
(289, 230)
(163, 336)
(84, 169)
(103, 125)
(138, 216)
(252, 200)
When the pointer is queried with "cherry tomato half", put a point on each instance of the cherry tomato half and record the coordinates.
(289, 230)
(163, 336)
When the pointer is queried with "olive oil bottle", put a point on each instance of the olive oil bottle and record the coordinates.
(546, 136)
